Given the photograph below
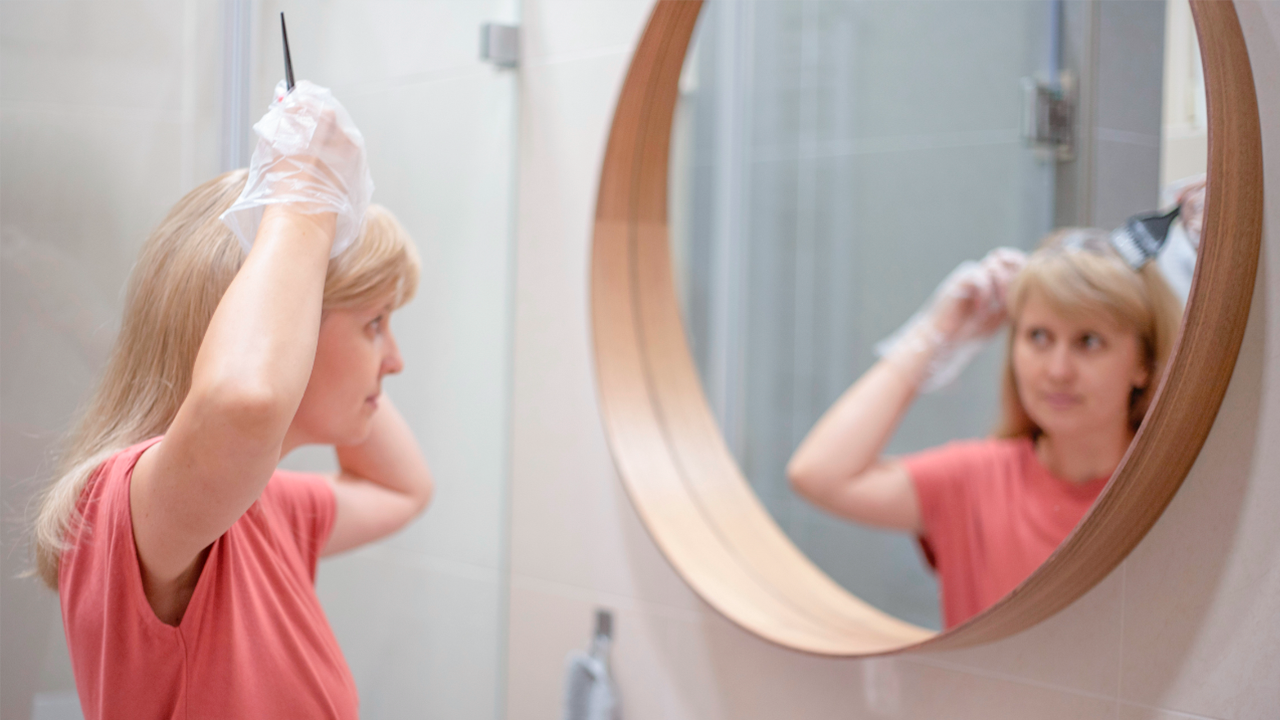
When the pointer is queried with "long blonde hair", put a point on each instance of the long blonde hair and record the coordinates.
(183, 270)
(1077, 271)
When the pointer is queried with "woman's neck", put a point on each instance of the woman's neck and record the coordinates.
(1083, 457)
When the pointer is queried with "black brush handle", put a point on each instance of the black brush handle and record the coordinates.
(288, 62)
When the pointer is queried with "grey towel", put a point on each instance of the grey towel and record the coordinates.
(588, 690)
(589, 693)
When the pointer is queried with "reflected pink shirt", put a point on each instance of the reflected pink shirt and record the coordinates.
(254, 642)
(992, 514)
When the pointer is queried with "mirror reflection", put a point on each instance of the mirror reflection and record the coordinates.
(892, 231)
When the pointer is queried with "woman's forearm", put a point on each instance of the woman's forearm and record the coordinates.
(390, 458)
(850, 437)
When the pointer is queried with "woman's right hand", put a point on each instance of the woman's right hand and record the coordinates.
(937, 343)
(970, 304)
(311, 157)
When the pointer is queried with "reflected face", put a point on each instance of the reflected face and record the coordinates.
(354, 351)
(1075, 375)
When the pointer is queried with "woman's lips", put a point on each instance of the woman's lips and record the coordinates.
(1061, 400)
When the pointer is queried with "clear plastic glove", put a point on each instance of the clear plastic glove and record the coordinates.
(964, 312)
(1191, 198)
(309, 155)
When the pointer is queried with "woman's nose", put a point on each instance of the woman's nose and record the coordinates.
(1061, 364)
(392, 363)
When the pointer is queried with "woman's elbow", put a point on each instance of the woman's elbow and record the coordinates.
(802, 479)
(251, 410)
(422, 494)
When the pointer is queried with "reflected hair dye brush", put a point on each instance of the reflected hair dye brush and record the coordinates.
(1142, 236)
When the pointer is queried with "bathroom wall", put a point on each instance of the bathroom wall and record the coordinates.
(110, 112)
(1185, 628)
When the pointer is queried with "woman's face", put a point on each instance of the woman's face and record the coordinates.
(354, 351)
(1075, 375)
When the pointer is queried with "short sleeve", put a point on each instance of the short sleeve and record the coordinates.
(308, 505)
(944, 480)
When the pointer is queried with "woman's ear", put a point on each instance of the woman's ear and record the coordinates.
(1142, 375)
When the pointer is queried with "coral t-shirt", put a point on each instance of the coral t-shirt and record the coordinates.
(992, 514)
(254, 641)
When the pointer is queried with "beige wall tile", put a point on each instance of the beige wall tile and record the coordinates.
(659, 661)
(670, 666)
(1078, 649)
(1200, 631)
(571, 522)
(559, 30)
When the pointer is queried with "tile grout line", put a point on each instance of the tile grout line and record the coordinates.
(1124, 590)
(1005, 677)
(633, 604)
(435, 563)
(606, 52)
(1168, 711)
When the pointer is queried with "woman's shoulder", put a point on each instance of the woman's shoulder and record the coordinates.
(983, 448)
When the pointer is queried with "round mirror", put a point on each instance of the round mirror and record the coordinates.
(832, 163)
(778, 203)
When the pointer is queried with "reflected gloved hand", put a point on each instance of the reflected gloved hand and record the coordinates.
(965, 310)
(309, 155)
(1191, 198)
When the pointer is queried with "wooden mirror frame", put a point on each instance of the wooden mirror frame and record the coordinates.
(689, 491)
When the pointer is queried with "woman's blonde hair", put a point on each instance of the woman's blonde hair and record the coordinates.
(180, 276)
(1077, 271)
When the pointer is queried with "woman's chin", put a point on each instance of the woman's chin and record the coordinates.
(1059, 422)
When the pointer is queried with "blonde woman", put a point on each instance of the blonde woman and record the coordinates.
(1089, 337)
(184, 560)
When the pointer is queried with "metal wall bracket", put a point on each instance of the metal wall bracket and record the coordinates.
(500, 44)
(1049, 114)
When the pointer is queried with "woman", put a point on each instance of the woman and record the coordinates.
(185, 562)
(1088, 340)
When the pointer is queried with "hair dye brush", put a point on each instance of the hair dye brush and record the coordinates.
(1141, 237)
(288, 62)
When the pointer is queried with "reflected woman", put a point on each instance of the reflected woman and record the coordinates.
(1089, 337)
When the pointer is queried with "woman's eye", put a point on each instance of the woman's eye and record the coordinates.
(1038, 336)
(376, 324)
(1091, 341)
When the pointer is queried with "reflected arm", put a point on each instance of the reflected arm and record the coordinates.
(838, 465)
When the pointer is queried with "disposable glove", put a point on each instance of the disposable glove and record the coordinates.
(964, 312)
(309, 155)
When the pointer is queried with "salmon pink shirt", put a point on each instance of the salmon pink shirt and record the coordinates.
(992, 514)
(254, 641)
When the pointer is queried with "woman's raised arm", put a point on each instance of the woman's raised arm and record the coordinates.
(839, 466)
(256, 356)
